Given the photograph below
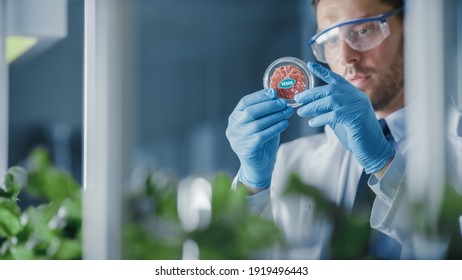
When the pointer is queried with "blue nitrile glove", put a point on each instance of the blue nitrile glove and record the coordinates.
(349, 112)
(254, 129)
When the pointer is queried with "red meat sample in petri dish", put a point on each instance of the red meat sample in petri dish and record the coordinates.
(288, 76)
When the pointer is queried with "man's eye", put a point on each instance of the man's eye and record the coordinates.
(363, 31)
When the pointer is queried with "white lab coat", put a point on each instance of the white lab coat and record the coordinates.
(321, 161)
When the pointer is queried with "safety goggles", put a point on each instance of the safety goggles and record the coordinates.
(361, 34)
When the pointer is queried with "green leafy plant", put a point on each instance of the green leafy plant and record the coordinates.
(351, 232)
(52, 228)
(155, 230)
(233, 233)
(49, 230)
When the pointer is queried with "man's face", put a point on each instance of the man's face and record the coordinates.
(378, 72)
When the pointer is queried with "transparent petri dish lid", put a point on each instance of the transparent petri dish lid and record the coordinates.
(288, 76)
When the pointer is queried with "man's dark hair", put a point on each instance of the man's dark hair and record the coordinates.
(394, 3)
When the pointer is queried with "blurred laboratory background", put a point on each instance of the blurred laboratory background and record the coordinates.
(163, 106)
(192, 62)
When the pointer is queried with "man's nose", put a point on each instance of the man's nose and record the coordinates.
(347, 54)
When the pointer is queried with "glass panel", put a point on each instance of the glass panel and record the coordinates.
(194, 61)
(453, 194)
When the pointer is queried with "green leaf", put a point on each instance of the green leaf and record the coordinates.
(323, 205)
(350, 238)
(20, 252)
(46, 181)
(141, 244)
(449, 225)
(69, 250)
(10, 224)
(38, 226)
(53, 184)
(228, 205)
(73, 207)
(15, 180)
(10, 205)
(165, 205)
(39, 159)
(451, 208)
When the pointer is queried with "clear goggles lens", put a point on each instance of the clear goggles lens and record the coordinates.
(360, 34)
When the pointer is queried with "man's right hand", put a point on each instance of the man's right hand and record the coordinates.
(254, 129)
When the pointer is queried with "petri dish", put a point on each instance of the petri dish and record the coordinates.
(288, 76)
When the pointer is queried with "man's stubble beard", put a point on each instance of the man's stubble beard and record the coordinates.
(390, 85)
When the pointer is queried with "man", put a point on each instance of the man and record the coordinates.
(362, 42)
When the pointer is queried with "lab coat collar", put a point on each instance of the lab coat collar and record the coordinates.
(396, 122)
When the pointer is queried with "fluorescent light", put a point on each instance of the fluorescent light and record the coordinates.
(17, 46)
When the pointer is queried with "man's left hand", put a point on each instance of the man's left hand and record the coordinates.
(349, 112)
